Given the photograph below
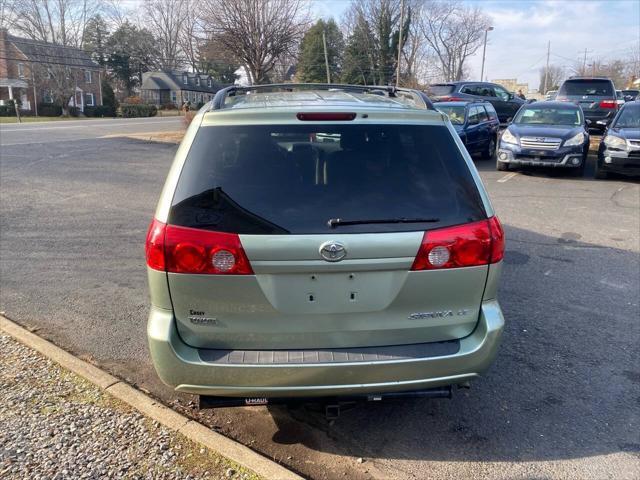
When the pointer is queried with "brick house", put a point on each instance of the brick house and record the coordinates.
(35, 72)
(161, 88)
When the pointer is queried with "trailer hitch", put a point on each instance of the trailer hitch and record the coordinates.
(333, 406)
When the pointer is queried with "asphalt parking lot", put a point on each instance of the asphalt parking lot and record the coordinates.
(561, 401)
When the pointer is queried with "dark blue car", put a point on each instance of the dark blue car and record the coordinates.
(619, 149)
(545, 134)
(477, 124)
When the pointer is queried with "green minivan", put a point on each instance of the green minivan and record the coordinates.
(322, 240)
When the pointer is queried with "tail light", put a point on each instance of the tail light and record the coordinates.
(189, 250)
(478, 243)
(608, 104)
(154, 246)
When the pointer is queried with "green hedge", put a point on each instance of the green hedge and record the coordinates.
(8, 109)
(100, 111)
(49, 110)
(132, 110)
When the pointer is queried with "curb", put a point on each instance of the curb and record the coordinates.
(191, 429)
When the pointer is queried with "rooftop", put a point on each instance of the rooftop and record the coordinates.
(43, 52)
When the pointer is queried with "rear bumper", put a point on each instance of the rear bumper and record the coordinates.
(181, 366)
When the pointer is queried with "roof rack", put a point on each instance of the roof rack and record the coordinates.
(218, 101)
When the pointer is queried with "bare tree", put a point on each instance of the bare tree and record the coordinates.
(7, 13)
(632, 69)
(192, 38)
(553, 78)
(116, 12)
(454, 32)
(56, 21)
(166, 19)
(260, 32)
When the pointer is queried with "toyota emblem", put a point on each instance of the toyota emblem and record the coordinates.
(333, 251)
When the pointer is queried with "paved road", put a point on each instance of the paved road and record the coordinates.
(562, 400)
(71, 130)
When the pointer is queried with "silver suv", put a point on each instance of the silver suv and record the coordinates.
(322, 241)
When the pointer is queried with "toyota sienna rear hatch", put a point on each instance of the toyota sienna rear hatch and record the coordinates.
(311, 234)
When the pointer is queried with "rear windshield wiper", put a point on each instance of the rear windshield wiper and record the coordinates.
(337, 222)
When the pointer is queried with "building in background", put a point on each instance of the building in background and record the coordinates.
(170, 87)
(512, 85)
(34, 72)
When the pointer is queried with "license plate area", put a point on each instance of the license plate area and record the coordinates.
(328, 293)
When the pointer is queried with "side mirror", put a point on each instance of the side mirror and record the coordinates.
(511, 96)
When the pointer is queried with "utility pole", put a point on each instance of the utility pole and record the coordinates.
(584, 63)
(546, 70)
(326, 57)
(400, 43)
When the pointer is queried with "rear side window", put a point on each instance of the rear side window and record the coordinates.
(491, 112)
(478, 114)
(439, 90)
(280, 179)
(599, 88)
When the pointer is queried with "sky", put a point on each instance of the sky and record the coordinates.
(517, 47)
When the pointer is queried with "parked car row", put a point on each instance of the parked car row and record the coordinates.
(555, 134)
(551, 133)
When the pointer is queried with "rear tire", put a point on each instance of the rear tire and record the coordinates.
(490, 152)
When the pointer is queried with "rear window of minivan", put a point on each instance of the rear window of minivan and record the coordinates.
(293, 179)
(587, 87)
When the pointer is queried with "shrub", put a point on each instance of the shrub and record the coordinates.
(49, 110)
(100, 111)
(168, 106)
(8, 109)
(135, 110)
(74, 111)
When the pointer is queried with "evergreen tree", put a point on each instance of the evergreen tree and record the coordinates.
(359, 62)
(311, 60)
(130, 51)
(108, 97)
(95, 38)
